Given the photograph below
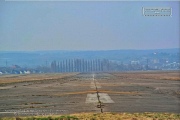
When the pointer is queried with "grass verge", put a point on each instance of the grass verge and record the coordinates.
(103, 116)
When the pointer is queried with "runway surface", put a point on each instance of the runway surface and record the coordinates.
(90, 92)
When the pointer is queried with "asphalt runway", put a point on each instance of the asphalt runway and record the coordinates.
(89, 92)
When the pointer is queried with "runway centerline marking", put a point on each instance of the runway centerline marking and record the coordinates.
(92, 85)
(103, 97)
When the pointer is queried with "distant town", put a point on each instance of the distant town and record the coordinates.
(88, 61)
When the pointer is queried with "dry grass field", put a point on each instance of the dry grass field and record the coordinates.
(32, 77)
(157, 75)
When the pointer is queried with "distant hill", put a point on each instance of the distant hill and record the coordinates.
(35, 58)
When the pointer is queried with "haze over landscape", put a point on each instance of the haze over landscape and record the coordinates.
(34, 26)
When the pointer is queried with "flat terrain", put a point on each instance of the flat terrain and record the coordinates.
(50, 94)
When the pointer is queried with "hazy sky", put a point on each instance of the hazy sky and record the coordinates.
(86, 26)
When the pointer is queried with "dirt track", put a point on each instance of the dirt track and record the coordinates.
(130, 92)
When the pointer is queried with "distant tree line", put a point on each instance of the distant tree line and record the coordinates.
(80, 65)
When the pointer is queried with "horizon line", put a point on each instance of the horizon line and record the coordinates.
(84, 50)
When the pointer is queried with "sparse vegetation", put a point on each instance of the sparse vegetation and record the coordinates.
(104, 116)
(42, 118)
(33, 77)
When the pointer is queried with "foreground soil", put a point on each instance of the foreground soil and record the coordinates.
(155, 92)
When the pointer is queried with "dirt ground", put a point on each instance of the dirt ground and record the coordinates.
(50, 94)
